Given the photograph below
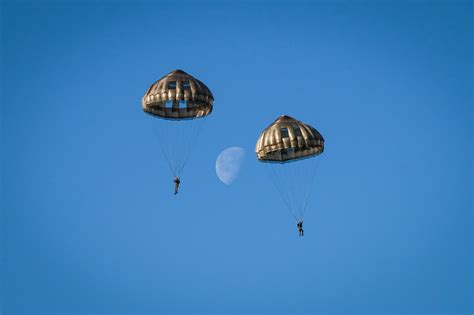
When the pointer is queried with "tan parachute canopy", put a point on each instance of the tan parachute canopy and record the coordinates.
(288, 139)
(178, 95)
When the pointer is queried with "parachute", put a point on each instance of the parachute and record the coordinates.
(181, 103)
(291, 147)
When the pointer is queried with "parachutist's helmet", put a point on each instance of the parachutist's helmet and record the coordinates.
(287, 140)
(178, 95)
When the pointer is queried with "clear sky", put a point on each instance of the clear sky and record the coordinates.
(89, 221)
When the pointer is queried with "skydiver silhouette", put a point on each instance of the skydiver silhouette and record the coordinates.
(300, 228)
(176, 181)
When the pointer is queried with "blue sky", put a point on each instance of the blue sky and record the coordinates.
(89, 223)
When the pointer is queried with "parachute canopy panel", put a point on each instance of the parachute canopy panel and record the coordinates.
(287, 140)
(178, 95)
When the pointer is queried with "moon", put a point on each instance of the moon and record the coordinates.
(229, 163)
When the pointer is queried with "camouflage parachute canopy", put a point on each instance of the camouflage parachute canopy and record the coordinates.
(287, 140)
(178, 95)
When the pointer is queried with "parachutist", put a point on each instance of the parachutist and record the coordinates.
(176, 181)
(300, 228)
(178, 101)
(290, 146)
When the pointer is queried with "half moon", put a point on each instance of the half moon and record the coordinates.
(229, 164)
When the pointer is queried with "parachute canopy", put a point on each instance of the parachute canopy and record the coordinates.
(288, 146)
(287, 140)
(178, 95)
(177, 99)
